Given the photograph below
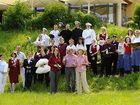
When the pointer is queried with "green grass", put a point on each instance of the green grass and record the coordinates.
(104, 90)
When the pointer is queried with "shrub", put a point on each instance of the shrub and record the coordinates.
(17, 16)
(131, 24)
(137, 15)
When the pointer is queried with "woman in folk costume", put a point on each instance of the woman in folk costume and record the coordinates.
(102, 37)
(127, 56)
(93, 50)
(136, 52)
(14, 66)
(55, 64)
(120, 63)
(130, 34)
(3, 73)
(81, 80)
(62, 49)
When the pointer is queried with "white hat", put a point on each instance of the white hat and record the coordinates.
(88, 24)
(69, 48)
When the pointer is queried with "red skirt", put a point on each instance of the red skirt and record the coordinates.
(13, 75)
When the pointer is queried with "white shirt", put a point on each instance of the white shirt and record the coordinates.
(120, 48)
(132, 38)
(46, 39)
(56, 37)
(88, 33)
(78, 46)
(3, 66)
(136, 40)
(21, 56)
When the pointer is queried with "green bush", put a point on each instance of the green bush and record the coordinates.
(137, 15)
(17, 16)
(131, 24)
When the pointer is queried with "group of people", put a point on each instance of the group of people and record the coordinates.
(69, 52)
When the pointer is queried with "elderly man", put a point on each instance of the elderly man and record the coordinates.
(3, 73)
(88, 35)
(21, 56)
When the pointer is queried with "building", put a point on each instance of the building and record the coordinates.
(108, 11)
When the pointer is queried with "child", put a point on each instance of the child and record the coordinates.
(55, 64)
(120, 63)
(127, 55)
(62, 49)
(71, 45)
(80, 44)
(3, 73)
(82, 62)
(14, 66)
(93, 50)
(70, 63)
(29, 65)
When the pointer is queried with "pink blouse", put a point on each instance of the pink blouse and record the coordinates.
(82, 62)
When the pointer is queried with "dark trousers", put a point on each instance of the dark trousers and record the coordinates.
(47, 79)
(114, 62)
(28, 79)
(136, 69)
(40, 78)
(94, 64)
(54, 77)
(102, 70)
(70, 78)
(108, 65)
(88, 54)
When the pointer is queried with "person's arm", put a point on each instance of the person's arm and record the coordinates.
(86, 62)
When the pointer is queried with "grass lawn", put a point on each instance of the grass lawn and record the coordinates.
(101, 98)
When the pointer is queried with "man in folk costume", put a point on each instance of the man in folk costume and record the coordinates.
(3, 73)
(88, 35)
(21, 56)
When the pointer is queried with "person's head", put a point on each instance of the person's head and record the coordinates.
(18, 48)
(81, 51)
(30, 54)
(93, 41)
(127, 40)
(81, 40)
(1, 57)
(14, 55)
(70, 51)
(55, 27)
(71, 41)
(38, 48)
(61, 40)
(56, 51)
(121, 39)
(60, 25)
(103, 29)
(130, 32)
(108, 41)
(88, 25)
(52, 41)
(44, 30)
(77, 24)
(114, 38)
(137, 33)
(67, 26)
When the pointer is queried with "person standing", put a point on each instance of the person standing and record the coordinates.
(93, 50)
(29, 65)
(56, 33)
(115, 54)
(14, 66)
(70, 64)
(82, 62)
(130, 34)
(88, 35)
(21, 56)
(55, 64)
(66, 34)
(77, 32)
(3, 73)
(136, 53)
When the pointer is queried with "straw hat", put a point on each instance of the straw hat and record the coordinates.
(88, 24)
